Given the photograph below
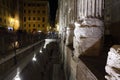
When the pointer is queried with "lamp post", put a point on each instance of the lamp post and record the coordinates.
(15, 24)
(12, 23)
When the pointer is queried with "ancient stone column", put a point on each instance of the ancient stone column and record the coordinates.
(89, 8)
(86, 7)
(82, 7)
(79, 8)
(100, 8)
(89, 30)
(97, 8)
(93, 8)
(113, 63)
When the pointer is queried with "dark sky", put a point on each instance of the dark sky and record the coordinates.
(53, 7)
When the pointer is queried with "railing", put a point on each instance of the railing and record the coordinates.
(10, 42)
(14, 48)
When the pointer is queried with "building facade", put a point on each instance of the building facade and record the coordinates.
(7, 13)
(35, 16)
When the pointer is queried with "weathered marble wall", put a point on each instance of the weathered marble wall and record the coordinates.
(80, 25)
(89, 28)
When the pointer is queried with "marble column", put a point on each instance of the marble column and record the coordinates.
(86, 7)
(89, 8)
(82, 7)
(89, 30)
(93, 8)
(97, 8)
(100, 8)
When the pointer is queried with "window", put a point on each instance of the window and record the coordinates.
(43, 19)
(24, 18)
(33, 18)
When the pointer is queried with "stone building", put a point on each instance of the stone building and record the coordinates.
(35, 15)
(9, 13)
(84, 25)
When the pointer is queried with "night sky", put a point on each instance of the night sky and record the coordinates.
(53, 7)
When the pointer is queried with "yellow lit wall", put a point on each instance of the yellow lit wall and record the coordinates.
(7, 12)
(35, 16)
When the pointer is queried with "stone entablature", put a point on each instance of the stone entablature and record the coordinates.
(113, 63)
